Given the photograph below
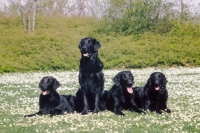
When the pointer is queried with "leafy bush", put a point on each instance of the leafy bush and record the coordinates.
(54, 45)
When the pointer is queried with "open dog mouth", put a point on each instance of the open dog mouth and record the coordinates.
(45, 92)
(157, 88)
(129, 88)
(85, 54)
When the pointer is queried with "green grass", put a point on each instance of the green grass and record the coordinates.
(19, 94)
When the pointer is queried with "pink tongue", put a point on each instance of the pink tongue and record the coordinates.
(85, 54)
(130, 90)
(45, 92)
(156, 88)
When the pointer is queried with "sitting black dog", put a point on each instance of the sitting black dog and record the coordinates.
(91, 77)
(121, 95)
(50, 102)
(153, 96)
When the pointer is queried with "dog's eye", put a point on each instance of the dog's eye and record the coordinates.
(124, 76)
(89, 42)
(48, 81)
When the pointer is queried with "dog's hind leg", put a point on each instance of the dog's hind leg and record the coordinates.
(56, 111)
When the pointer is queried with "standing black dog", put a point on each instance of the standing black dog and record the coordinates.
(153, 96)
(91, 77)
(121, 95)
(50, 102)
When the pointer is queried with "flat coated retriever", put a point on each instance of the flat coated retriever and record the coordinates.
(91, 77)
(121, 95)
(153, 96)
(50, 102)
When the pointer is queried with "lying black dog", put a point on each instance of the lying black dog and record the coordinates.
(153, 96)
(121, 95)
(91, 77)
(50, 102)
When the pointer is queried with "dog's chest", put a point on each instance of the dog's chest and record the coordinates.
(155, 95)
(86, 77)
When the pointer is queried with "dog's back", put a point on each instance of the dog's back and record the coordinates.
(69, 103)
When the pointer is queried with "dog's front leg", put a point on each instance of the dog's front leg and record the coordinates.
(147, 105)
(85, 102)
(96, 109)
(134, 107)
(164, 106)
(117, 108)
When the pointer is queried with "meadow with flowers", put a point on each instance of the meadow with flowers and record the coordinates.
(19, 96)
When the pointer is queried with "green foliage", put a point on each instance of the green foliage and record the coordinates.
(139, 16)
(185, 29)
(54, 45)
(150, 50)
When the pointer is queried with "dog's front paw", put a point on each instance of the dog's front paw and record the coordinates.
(85, 111)
(96, 110)
(120, 113)
(138, 111)
(168, 110)
(158, 111)
(141, 112)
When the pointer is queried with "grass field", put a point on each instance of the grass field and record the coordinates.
(19, 94)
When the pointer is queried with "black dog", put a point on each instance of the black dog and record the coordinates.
(91, 77)
(121, 95)
(153, 96)
(50, 102)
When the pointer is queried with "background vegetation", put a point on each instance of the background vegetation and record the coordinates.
(132, 34)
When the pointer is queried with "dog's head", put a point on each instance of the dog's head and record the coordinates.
(124, 79)
(157, 80)
(89, 46)
(48, 84)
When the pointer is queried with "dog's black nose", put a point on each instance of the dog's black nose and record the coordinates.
(84, 50)
(43, 87)
(157, 82)
(130, 82)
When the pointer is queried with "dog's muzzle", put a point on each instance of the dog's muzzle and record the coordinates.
(45, 92)
(157, 85)
(129, 83)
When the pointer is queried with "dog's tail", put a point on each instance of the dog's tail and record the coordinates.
(31, 115)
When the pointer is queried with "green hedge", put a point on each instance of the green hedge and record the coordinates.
(54, 46)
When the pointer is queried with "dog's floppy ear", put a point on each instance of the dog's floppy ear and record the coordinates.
(97, 45)
(43, 81)
(149, 80)
(56, 84)
(79, 46)
(164, 79)
(40, 83)
(116, 79)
